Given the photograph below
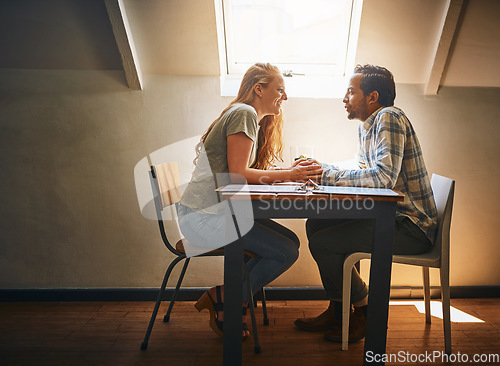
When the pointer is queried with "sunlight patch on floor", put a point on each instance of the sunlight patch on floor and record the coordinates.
(457, 316)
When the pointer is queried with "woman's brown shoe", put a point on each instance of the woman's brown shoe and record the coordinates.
(206, 302)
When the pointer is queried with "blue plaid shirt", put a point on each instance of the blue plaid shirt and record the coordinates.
(390, 156)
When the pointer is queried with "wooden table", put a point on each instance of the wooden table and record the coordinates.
(381, 207)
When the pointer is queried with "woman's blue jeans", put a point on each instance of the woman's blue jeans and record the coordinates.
(275, 247)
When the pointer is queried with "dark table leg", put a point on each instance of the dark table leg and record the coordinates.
(380, 283)
(233, 283)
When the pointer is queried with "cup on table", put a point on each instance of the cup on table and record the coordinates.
(297, 152)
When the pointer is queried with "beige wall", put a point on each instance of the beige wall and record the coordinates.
(70, 141)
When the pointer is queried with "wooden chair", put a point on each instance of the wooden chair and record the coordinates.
(165, 184)
(438, 257)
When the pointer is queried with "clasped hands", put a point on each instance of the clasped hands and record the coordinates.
(304, 169)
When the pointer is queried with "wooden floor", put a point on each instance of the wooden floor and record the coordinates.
(109, 333)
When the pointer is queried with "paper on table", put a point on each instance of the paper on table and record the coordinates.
(355, 191)
(259, 188)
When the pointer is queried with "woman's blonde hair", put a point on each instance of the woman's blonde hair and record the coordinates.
(270, 138)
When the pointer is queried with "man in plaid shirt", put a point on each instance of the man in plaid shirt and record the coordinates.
(389, 156)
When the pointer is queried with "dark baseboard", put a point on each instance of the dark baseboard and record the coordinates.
(191, 294)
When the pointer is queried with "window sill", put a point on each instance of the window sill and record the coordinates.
(296, 86)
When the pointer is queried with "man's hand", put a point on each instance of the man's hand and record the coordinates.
(304, 169)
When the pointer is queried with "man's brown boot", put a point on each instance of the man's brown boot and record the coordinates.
(357, 327)
(325, 321)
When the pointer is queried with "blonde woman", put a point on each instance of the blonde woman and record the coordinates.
(242, 144)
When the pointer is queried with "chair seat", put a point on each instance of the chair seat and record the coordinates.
(179, 246)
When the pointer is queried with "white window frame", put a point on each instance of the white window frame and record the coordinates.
(322, 84)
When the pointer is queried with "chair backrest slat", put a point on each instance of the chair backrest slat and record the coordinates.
(444, 190)
(167, 176)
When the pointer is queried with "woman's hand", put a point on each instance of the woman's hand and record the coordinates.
(304, 169)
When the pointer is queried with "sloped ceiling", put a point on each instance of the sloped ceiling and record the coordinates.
(475, 54)
(57, 34)
(176, 37)
(179, 37)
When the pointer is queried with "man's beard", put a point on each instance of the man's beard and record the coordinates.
(359, 113)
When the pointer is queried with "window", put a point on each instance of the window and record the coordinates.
(313, 42)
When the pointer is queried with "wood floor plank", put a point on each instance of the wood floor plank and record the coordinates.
(110, 333)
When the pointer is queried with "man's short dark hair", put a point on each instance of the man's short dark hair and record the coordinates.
(380, 79)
